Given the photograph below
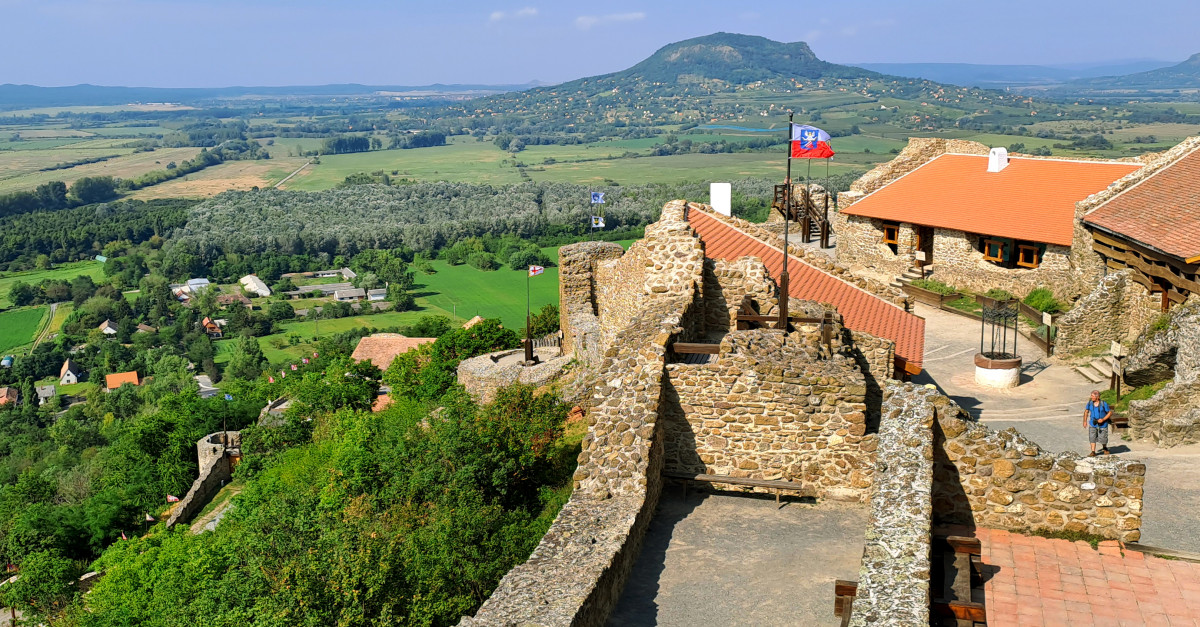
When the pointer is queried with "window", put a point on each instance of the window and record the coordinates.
(993, 250)
(1028, 256)
(891, 236)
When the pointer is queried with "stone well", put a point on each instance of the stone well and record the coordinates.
(998, 372)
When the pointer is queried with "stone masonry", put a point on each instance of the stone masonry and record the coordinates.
(1172, 416)
(1116, 310)
(217, 454)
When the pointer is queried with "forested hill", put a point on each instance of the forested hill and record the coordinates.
(736, 59)
(1185, 75)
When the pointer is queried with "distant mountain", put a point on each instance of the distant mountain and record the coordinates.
(737, 59)
(29, 96)
(984, 75)
(1185, 75)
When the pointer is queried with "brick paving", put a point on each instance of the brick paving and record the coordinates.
(1039, 581)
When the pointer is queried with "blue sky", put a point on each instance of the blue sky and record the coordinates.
(202, 43)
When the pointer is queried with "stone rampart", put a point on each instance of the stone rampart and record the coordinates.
(577, 297)
(1116, 310)
(1172, 416)
(893, 584)
(216, 453)
(1002, 480)
(483, 376)
(767, 409)
(726, 283)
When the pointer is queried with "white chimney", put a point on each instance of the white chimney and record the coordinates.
(997, 159)
(720, 196)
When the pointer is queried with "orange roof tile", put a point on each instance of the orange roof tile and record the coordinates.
(1031, 199)
(861, 310)
(8, 395)
(1162, 211)
(117, 379)
(382, 402)
(382, 348)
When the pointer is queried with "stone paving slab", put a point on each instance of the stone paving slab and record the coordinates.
(741, 560)
(1039, 581)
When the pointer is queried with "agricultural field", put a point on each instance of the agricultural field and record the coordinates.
(18, 327)
(65, 271)
(231, 175)
(19, 170)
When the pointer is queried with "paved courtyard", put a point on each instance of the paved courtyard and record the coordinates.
(741, 560)
(1047, 408)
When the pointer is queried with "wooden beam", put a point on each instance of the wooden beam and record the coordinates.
(690, 348)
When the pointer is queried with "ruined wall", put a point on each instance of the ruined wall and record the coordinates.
(727, 282)
(861, 247)
(959, 263)
(767, 410)
(1116, 310)
(1002, 480)
(577, 300)
(1172, 416)
(482, 377)
(876, 359)
(214, 452)
(893, 584)
(577, 572)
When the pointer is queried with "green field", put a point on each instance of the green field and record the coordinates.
(65, 271)
(19, 326)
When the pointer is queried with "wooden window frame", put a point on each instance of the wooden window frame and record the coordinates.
(895, 234)
(987, 244)
(1033, 250)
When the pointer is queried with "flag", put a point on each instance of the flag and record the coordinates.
(597, 222)
(123, 536)
(305, 360)
(597, 198)
(270, 379)
(810, 142)
(293, 366)
(314, 354)
(149, 518)
(229, 397)
(536, 270)
(171, 498)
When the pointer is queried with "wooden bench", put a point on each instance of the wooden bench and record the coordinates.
(778, 485)
(1120, 421)
(694, 348)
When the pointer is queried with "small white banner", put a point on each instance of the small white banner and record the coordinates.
(720, 196)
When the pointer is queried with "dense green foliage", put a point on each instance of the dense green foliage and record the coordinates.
(428, 372)
(934, 286)
(1043, 299)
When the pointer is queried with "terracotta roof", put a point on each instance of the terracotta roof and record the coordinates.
(8, 395)
(472, 322)
(1031, 199)
(116, 380)
(861, 310)
(382, 402)
(382, 348)
(68, 365)
(1162, 211)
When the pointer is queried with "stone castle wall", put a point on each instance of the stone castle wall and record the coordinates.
(1117, 309)
(1172, 416)
(1002, 480)
(213, 452)
(959, 263)
(726, 283)
(767, 410)
(577, 297)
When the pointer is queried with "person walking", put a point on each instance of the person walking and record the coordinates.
(1096, 418)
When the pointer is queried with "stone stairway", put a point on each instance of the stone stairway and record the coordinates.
(910, 275)
(1099, 370)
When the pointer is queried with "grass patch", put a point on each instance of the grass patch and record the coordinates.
(931, 285)
(1121, 405)
(966, 303)
(1073, 536)
(66, 272)
(19, 326)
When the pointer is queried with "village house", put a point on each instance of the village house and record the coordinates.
(9, 395)
(212, 328)
(255, 285)
(382, 348)
(145, 328)
(1153, 226)
(108, 327)
(377, 294)
(976, 218)
(117, 379)
(350, 295)
(45, 393)
(226, 300)
(6, 361)
(69, 373)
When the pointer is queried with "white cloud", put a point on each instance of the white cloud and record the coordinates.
(584, 22)
(497, 16)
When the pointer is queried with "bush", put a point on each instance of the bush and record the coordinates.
(936, 287)
(522, 259)
(1043, 300)
(998, 294)
(482, 261)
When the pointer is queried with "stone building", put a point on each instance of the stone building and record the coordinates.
(981, 219)
(1152, 227)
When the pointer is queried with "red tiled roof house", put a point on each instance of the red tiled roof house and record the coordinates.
(1153, 226)
(981, 219)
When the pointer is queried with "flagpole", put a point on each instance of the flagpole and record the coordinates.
(787, 217)
(528, 337)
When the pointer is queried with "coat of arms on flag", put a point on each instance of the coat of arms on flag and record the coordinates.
(536, 270)
(597, 222)
(305, 360)
(810, 142)
(293, 366)
(597, 198)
